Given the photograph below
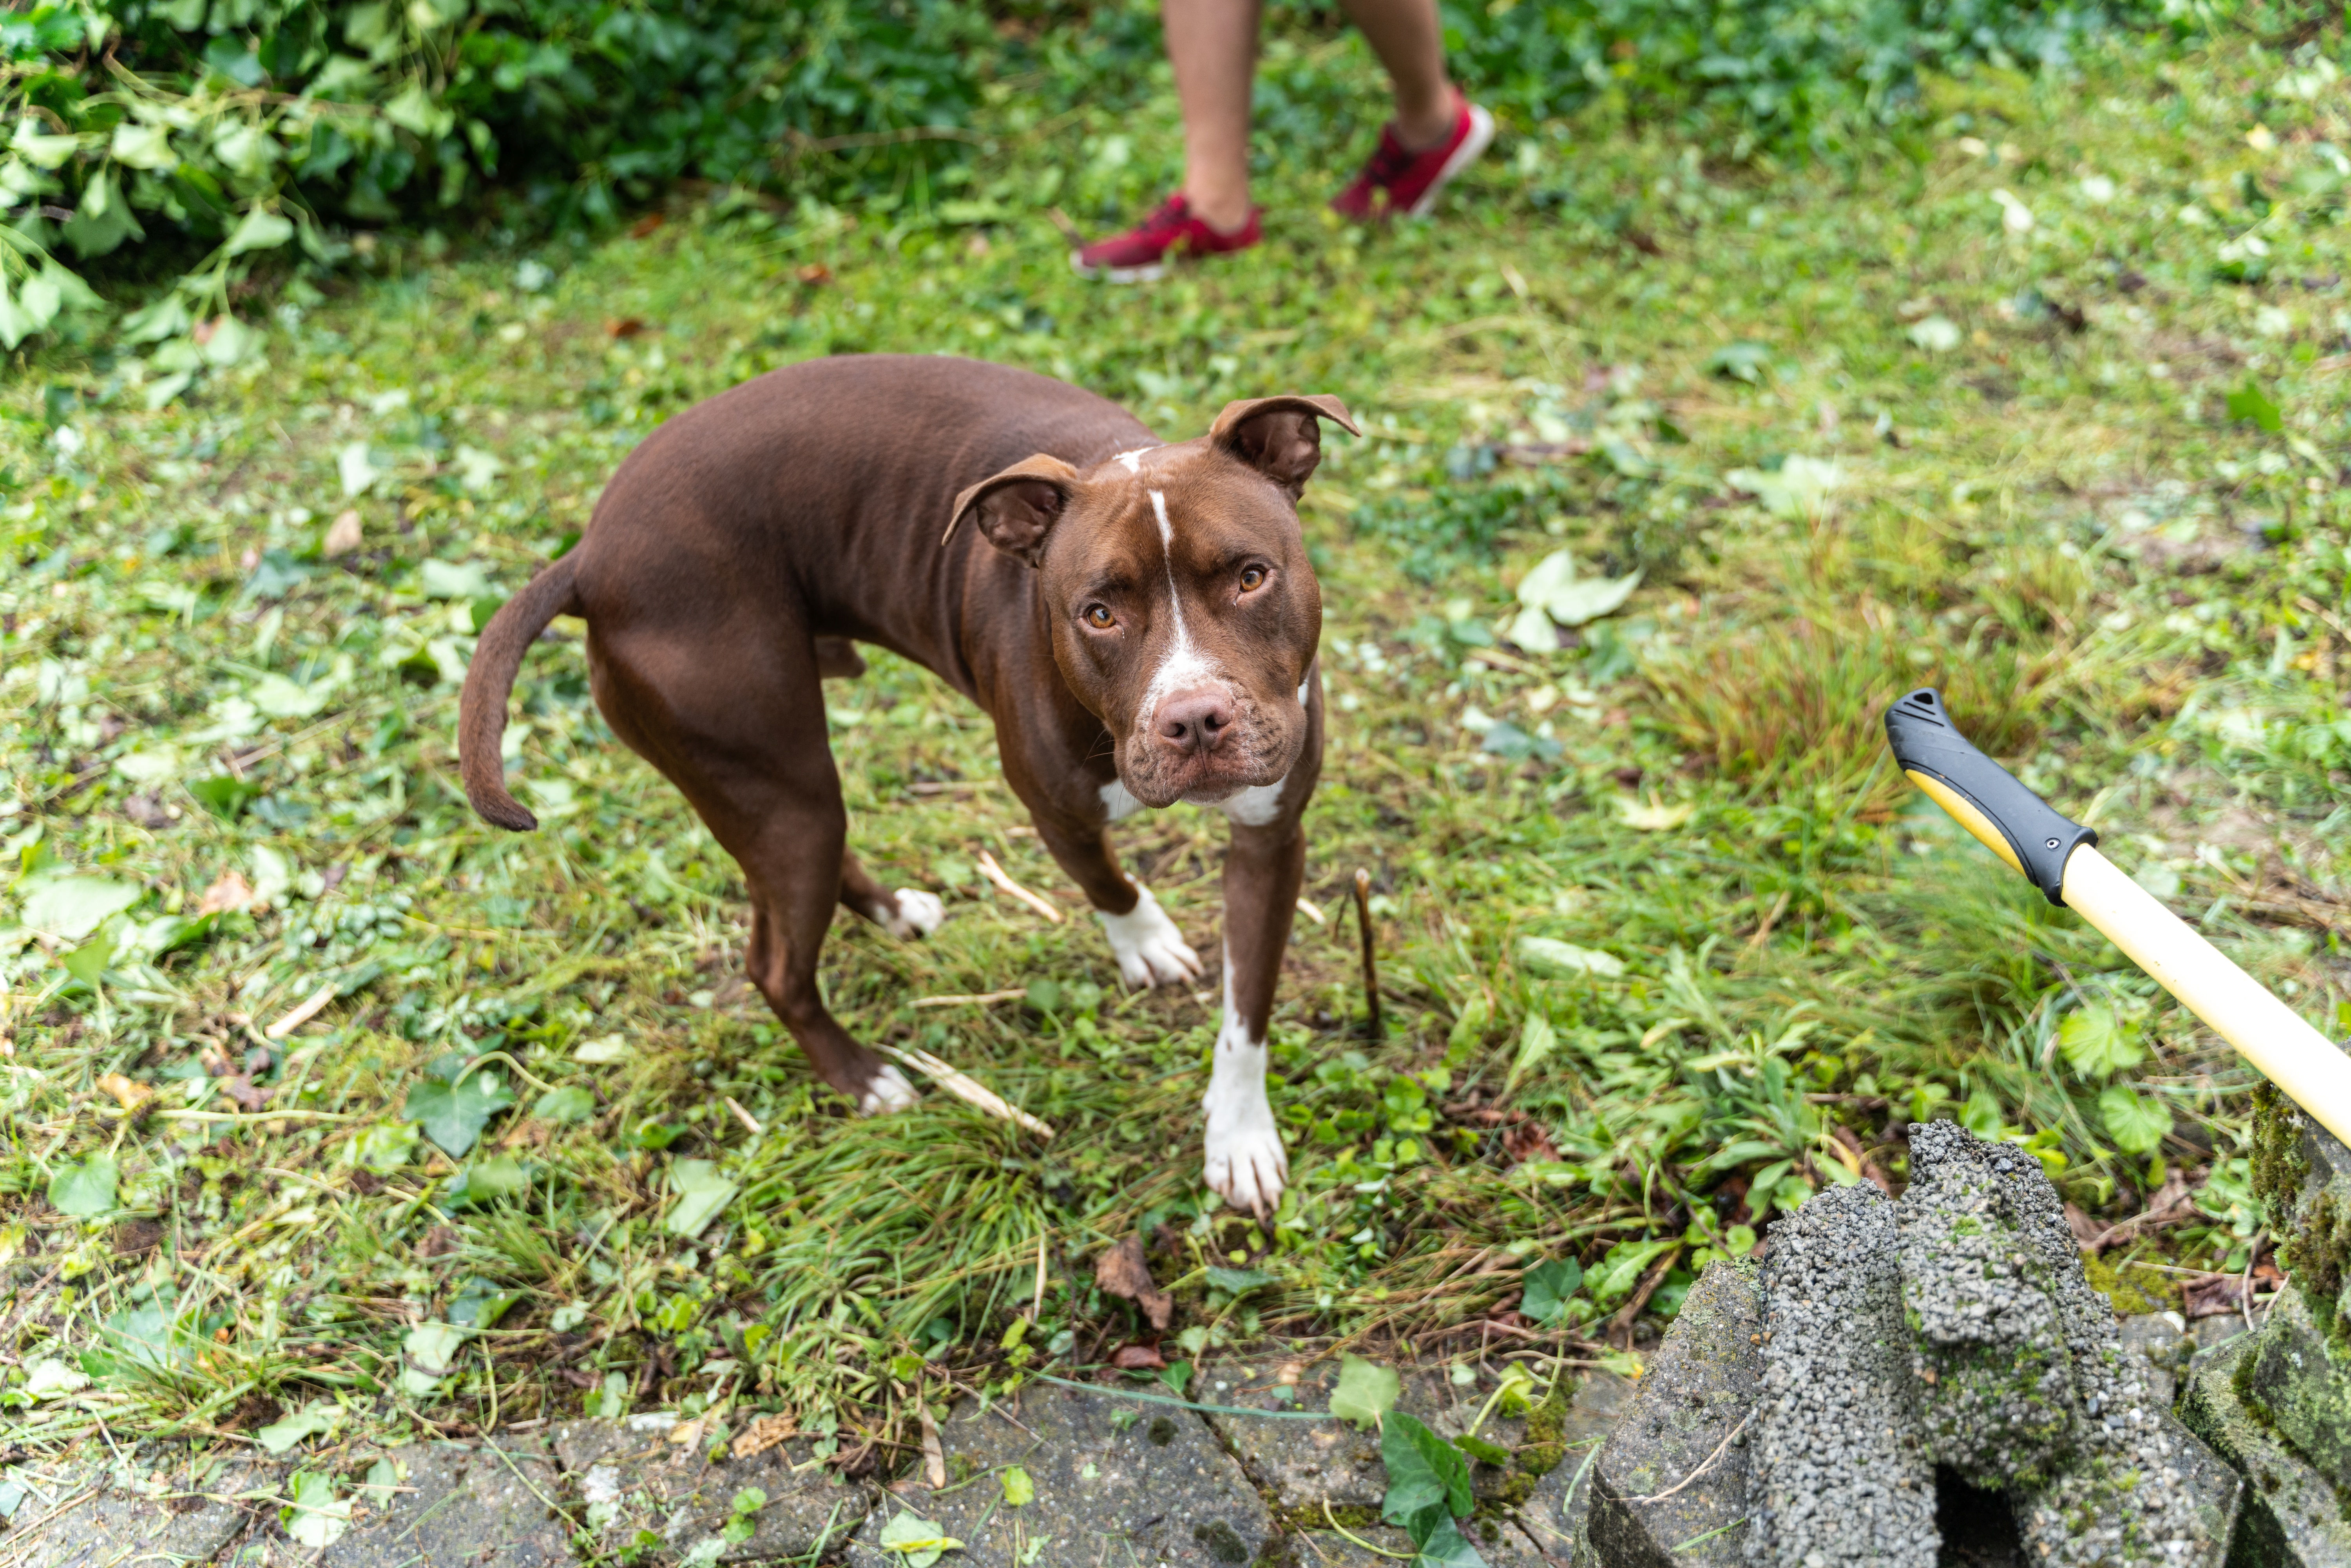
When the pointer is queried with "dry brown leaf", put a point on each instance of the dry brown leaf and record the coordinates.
(240, 1088)
(625, 326)
(815, 274)
(763, 1433)
(230, 892)
(934, 1458)
(1138, 1358)
(127, 1093)
(1123, 1273)
(645, 226)
(342, 535)
(1529, 1141)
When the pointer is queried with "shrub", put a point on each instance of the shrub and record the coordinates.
(209, 136)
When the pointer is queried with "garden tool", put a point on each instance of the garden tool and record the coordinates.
(2058, 856)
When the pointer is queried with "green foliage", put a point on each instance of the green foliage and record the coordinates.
(1790, 73)
(84, 1189)
(1548, 1287)
(1365, 1391)
(1428, 1489)
(2098, 1042)
(216, 137)
(2136, 1122)
(453, 1113)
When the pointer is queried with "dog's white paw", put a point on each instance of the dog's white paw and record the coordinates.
(888, 1091)
(918, 914)
(1247, 1166)
(1149, 948)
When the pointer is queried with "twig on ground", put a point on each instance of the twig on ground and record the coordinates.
(968, 1089)
(995, 873)
(310, 1008)
(1371, 963)
(977, 998)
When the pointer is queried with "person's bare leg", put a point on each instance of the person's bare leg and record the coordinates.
(1212, 44)
(1405, 36)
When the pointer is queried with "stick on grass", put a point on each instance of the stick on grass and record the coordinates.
(995, 873)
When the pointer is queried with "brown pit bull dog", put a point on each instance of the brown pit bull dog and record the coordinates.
(1138, 618)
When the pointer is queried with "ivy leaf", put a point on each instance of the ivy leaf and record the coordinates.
(2249, 402)
(569, 1104)
(1427, 1478)
(1366, 1393)
(2136, 1123)
(315, 1516)
(84, 1190)
(1237, 1281)
(702, 1193)
(455, 1115)
(319, 1419)
(1547, 1287)
(1622, 1269)
(1446, 1547)
(916, 1540)
(2098, 1042)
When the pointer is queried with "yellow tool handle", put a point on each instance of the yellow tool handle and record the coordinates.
(2058, 855)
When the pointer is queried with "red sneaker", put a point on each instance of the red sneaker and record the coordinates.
(1399, 180)
(1140, 255)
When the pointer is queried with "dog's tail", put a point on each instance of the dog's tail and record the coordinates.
(489, 681)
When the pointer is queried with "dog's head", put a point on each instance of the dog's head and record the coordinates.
(1184, 612)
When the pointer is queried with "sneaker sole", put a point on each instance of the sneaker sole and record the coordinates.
(1149, 274)
(1473, 147)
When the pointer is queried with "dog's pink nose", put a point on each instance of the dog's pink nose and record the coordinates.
(1196, 723)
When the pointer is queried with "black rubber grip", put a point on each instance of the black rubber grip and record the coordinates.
(1927, 744)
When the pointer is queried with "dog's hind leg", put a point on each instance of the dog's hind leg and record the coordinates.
(746, 742)
(907, 913)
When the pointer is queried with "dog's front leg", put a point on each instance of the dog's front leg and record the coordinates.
(1144, 939)
(1263, 869)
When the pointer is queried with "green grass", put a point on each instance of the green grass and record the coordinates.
(2130, 594)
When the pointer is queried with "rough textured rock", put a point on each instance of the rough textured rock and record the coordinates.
(2163, 1339)
(467, 1505)
(2302, 1173)
(634, 1480)
(1990, 1358)
(2127, 1485)
(2292, 1519)
(1842, 1465)
(1157, 1485)
(163, 1518)
(1671, 1486)
(2299, 1376)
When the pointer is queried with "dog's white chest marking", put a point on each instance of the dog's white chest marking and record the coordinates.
(1148, 946)
(1247, 1163)
(1119, 802)
(1256, 806)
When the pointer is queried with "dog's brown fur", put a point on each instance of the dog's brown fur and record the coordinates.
(739, 552)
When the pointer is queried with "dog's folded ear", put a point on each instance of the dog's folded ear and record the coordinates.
(1281, 437)
(1018, 507)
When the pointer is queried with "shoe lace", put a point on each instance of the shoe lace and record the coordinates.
(1168, 215)
(1390, 160)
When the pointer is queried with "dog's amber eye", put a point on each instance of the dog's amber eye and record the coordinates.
(1100, 618)
(1252, 578)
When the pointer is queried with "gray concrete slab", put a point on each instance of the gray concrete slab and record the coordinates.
(1109, 1474)
(634, 1480)
(468, 1506)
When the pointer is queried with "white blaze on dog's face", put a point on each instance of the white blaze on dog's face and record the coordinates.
(1184, 612)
